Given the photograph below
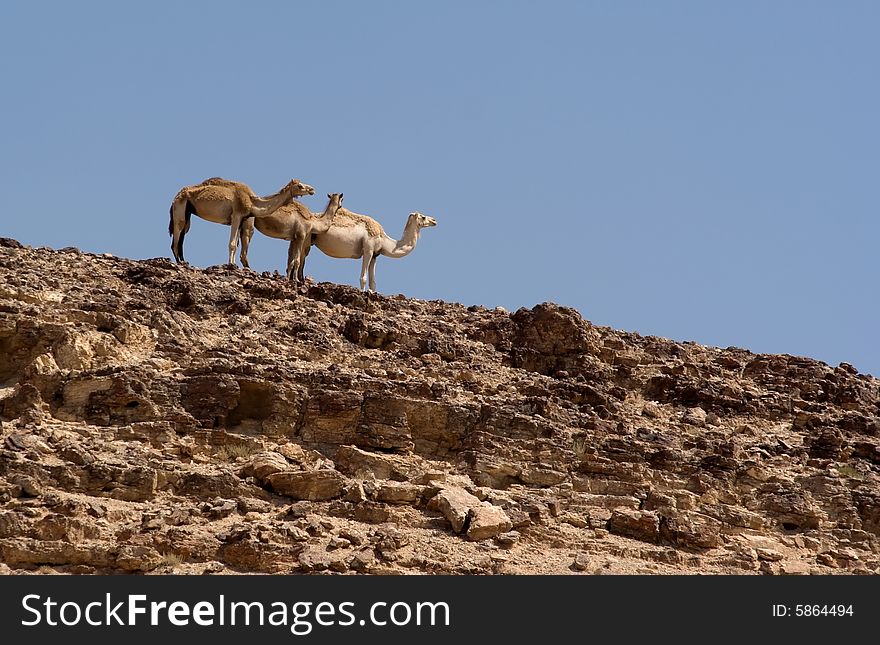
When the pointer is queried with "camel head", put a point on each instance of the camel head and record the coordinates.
(335, 199)
(299, 189)
(422, 221)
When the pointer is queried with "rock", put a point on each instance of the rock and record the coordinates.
(827, 559)
(19, 551)
(75, 454)
(639, 525)
(389, 538)
(252, 505)
(306, 459)
(356, 462)
(695, 416)
(371, 512)
(869, 450)
(770, 555)
(137, 558)
(519, 519)
(398, 493)
(219, 509)
(155, 417)
(337, 542)
(540, 475)
(249, 550)
(363, 561)
(581, 562)
(25, 402)
(28, 486)
(812, 543)
(313, 485)
(212, 485)
(58, 527)
(548, 332)
(11, 524)
(296, 533)
(574, 519)
(455, 504)
(690, 530)
(313, 559)
(338, 564)
(796, 568)
(793, 509)
(487, 521)
(429, 477)
(264, 464)
(733, 516)
(466, 513)
(353, 536)
(826, 443)
(651, 410)
(844, 553)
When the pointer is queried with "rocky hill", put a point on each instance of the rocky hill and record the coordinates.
(158, 418)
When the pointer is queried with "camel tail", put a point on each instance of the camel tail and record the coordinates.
(171, 219)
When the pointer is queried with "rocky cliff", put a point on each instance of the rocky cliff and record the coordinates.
(158, 418)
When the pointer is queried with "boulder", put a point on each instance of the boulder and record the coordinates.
(311, 485)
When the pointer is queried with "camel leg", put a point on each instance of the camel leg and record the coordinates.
(365, 267)
(304, 253)
(292, 259)
(246, 232)
(373, 272)
(177, 227)
(234, 225)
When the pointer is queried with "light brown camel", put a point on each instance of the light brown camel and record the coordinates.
(353, 235)
(294, 222)
(225, 202)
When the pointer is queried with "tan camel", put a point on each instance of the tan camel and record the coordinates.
(294, 222)
(353, 235)
(225, 202)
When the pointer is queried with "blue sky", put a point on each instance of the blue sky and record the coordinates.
(698, 171)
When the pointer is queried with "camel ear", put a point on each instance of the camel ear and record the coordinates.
(340, 195)
(329, 196)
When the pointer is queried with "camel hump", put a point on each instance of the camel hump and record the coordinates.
(181, 194)
(297, 208)
(212, 192)
(227, 183)
(345, 217)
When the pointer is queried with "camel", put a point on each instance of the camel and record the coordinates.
(353, 235)
(225, 202)
(294, 222)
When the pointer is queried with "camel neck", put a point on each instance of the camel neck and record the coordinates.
(329, 211)
(407, 241)
(275, 199)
